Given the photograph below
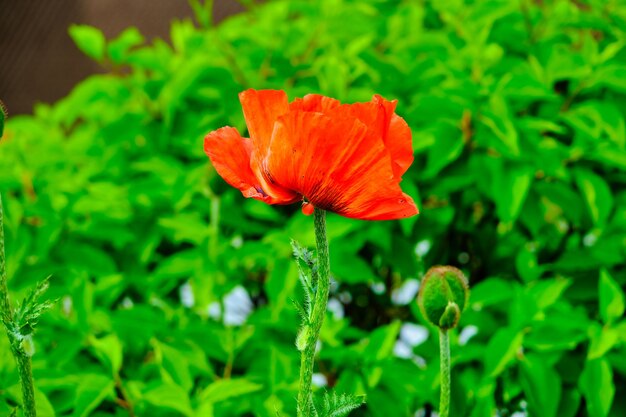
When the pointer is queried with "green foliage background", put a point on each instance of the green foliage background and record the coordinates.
(518, 111)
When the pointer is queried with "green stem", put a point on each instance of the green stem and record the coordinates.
(305, 396)
(444, 349)
(21, 357)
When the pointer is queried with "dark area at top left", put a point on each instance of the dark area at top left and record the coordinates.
(39, 61)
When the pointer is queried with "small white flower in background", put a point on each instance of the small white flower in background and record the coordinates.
(590, 239)
(186, 295)
(402, 350)
(378, 288)
(336, 308)
(127, 303)
(345, 297)
(237, 307)
(406, 293)
(214, 310)
(420, 413)
(413, 334)
(467, 333)
(236, 242)
(422, 248)
(319, 380)
(519, 414)
(67, 305)
(419, 361)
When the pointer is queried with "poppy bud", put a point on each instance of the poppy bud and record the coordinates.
(443, 295)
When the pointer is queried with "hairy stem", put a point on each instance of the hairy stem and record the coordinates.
(21, 357)
(444, 349)
(305, 397)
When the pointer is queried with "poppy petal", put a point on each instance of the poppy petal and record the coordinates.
(392, 206)
(314, 103)
(261, 109)
(379, 115)
(348, 158)
(396, 135)
(277, 192)
(338, 164)
(230, 155)
(399, 143)
(298, 142)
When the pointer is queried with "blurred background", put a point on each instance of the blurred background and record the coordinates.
(40, 61)
(175, 292)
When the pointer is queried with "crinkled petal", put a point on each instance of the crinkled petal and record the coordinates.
(314, 103)
(230, 155)
(338, 164)
(261, 109)
(399, 143)
(279, 193)
(379, 115)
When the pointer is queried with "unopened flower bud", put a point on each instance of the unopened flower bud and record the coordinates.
(443, 295)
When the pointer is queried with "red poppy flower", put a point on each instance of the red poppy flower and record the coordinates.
(345, 158)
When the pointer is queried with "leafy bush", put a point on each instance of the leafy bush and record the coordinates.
(518, 114)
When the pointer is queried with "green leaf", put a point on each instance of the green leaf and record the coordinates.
(280, 286)
(612, 77)
(28, 313)
(169, 396)
(91, 392)
(174, 365)
(490, 292)
(527, 266)
(225, 389)
(502, 350)
(339, 405)
(44, 408)
(203, 12)
(597, 194)
(119, 47)
(109, 350)
(350, 268)
(542, 386)
(89, 40)
(382, 341)
(547, 292)
(497, 118)
(570, 403)
(307, 272)
(611, 298)
(446, 149)
(603, 339)
(510, 189)
(596, 384)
